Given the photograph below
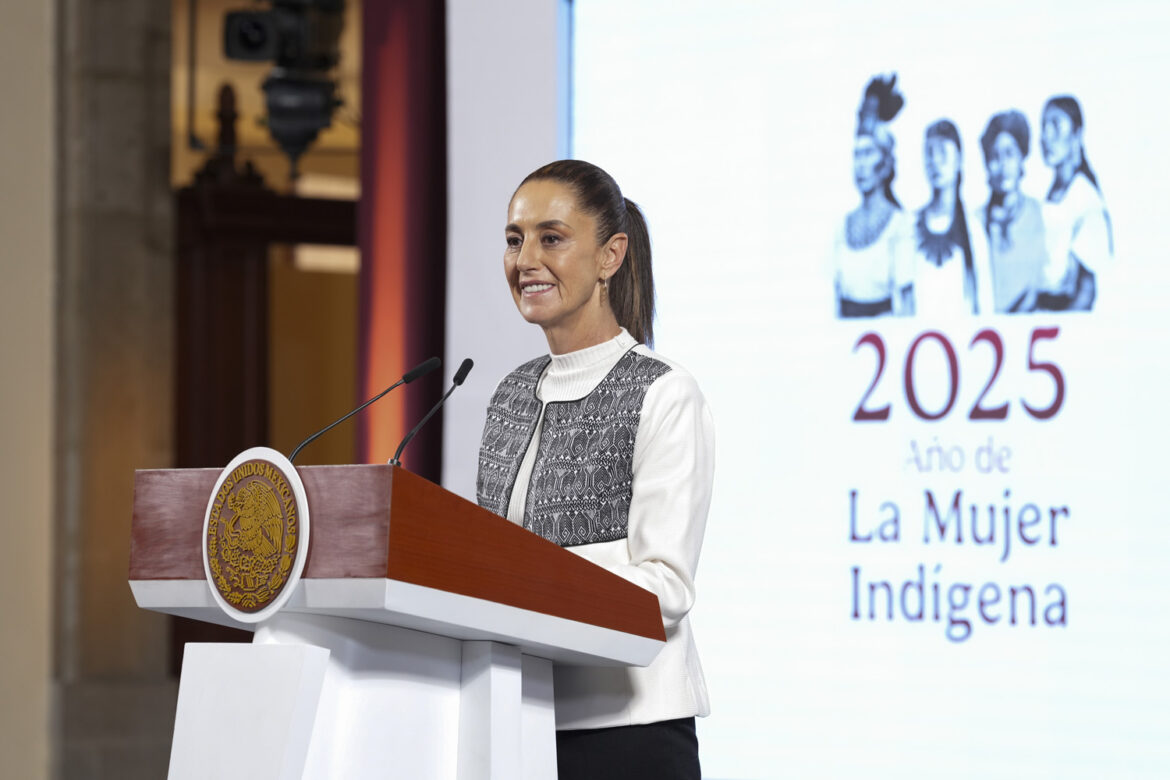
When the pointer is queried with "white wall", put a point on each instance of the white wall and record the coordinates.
(506, 93)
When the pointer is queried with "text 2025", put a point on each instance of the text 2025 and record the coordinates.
(868, 410)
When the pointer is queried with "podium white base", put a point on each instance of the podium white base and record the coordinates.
(329, 698)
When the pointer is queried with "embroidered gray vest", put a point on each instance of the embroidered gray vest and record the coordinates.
(582, 480)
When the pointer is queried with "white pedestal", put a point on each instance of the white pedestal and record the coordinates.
(332, 698)
(507, 727)
(246, 711)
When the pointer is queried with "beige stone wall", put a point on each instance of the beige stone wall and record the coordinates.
(27, 248)
(114, 373)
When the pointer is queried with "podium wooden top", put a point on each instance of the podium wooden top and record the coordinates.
(383, 522)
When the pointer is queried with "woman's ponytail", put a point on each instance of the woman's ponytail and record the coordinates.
(631, 290)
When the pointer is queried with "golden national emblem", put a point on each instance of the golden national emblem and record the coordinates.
(252, 534)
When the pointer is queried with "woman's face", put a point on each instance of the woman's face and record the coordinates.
(1059, 140)
(1005, 164)
(552, 259)
(942, 162)
(869, 164)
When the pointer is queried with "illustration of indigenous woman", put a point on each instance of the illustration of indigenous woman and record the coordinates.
(867, 273)
(1011, 220)
(1080, 236)
(950, 272)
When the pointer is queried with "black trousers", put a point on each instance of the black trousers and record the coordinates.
(667, 750)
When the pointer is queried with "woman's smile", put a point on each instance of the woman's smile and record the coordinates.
(531, 289)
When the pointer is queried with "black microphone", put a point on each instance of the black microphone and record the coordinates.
(423, 368)
(460, 375)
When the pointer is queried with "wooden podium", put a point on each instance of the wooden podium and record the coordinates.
(418, 643)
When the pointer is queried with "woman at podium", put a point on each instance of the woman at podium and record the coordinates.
(605, 448)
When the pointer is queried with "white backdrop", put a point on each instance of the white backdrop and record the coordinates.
(732, 124)
(736, 132)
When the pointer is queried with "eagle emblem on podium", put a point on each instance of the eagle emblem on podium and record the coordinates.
(252, 534)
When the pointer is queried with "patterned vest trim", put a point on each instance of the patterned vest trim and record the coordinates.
(582, 480)
(511, 420)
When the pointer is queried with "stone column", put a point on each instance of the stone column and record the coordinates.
(28, 195)
(115, 698)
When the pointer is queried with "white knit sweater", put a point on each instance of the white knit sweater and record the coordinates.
(674, 459)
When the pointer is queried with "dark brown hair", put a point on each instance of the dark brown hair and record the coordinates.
(631, 289)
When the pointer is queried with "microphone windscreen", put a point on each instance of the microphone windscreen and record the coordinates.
(422, 369)
(464, 370)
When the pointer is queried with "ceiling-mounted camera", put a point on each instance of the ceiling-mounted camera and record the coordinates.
(301, 38)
